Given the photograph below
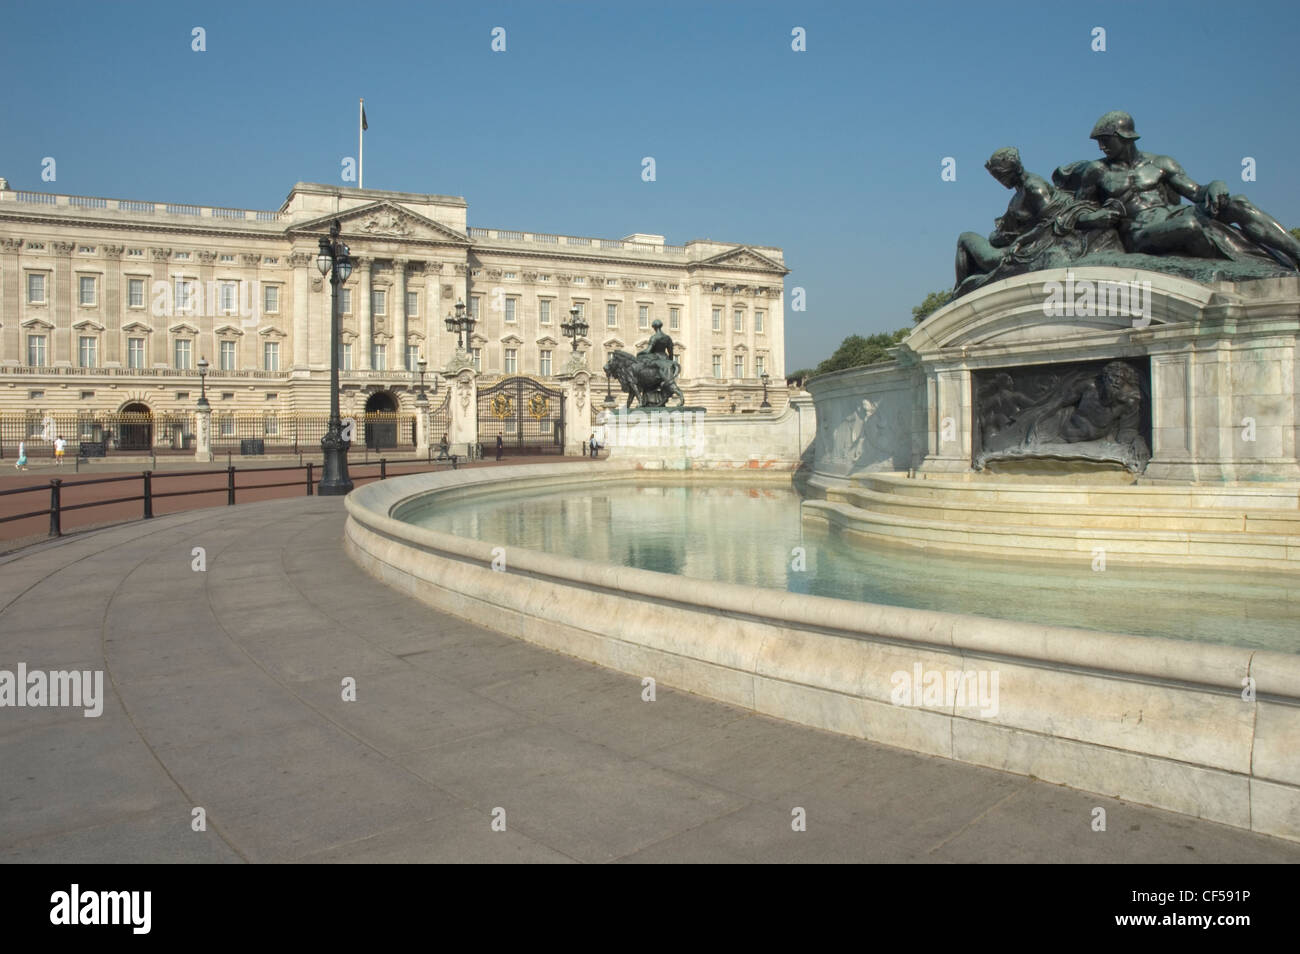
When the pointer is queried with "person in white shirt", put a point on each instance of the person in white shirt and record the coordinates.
(59, 445)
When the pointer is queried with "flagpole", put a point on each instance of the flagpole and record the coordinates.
(361, 146)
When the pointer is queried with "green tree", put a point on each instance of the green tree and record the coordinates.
(856, 351)
(1296, 234)
(933, 302)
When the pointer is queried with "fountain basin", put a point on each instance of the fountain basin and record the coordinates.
(1202, 729)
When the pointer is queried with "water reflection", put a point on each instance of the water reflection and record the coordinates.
(749, 535)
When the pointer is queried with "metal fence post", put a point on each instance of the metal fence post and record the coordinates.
(148, 494)
(56, 518)
(230, 486)
(310, 465)
(383, 468)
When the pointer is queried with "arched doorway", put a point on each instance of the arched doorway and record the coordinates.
(381, 420)
(135, 428)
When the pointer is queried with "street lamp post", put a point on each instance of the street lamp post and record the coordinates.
(334, 262)
(203, 390)
(421, 397)
(462, 324)
(575, 327)
(764, 376)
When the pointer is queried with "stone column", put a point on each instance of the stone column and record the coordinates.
(948, 421)
(464, 409)
(61, 306)
(111, 342)
(421, 425)
(203, 435)
(399, 313)
(301, 263)
(12, 282)
(365, 328)
(434, 312)
(577, 409)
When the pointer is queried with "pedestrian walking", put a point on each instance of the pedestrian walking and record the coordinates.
(21, 463)
(501, 447)
(59, 445)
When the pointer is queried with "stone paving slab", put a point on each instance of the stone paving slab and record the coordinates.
(224, 690)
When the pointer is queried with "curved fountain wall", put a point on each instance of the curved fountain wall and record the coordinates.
(1156, 721)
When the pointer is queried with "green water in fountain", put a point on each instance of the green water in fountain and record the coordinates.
(753, 535)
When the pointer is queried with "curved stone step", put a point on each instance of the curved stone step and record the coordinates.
(1049, 511)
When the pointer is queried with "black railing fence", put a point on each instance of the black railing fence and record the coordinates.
(148, 482)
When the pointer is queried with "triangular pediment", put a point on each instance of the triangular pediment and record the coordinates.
(383, 220)
(133, 326)
(228, 330)
(743, 257)
(183, 328)
(547, 340)
(88, 324)
(271, 331)
(36, 323)
(512, 339)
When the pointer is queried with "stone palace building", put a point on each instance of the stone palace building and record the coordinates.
(107, 305)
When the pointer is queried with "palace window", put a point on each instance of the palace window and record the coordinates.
(738, 366)
(412, 358)
(510, 308)
(271, 299)
(226, 356)
(477, 355)
(544, 311)
(545, 364)
(717, 319)
(379, 302)
(611, 315)
(512, 355)
(674, 318)
(184, 296)
(86, 346)
(270, 355)
(758, 322)
(474, 302)
(412, 304)
(760, 366)
(135, 253)
(181, 352)
(86, 290)
(227, 425)
(582, 308)
(345, 301)
(345, 362)
(228, 302)
(135, 353)
(738, 320)
(717, 365)
(643, 316)
(379, 357)
(35, 289)
(36, 351)
(135, 292)
(227, 259)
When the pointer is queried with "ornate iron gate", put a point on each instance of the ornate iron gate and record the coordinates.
(440, 420)
(528, 417)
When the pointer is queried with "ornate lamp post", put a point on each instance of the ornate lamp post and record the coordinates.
(203, 390)
(462, 324)
(420, 397)
(764, 376)
(334, 262)
(575, 327)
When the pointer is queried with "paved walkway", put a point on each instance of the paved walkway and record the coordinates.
(223, 692)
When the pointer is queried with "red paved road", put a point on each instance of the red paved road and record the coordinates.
(251, 485)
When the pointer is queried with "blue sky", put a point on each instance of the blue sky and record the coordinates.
(833, 154)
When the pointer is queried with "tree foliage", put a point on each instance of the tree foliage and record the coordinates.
(856, 351)
(933, 302)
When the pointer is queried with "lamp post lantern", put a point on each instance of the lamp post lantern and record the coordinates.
(335, 263)
(462, 325)
(764, 376)
(575, 327)
(203, 390)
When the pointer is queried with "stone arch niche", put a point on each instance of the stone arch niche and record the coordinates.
(1212, 391)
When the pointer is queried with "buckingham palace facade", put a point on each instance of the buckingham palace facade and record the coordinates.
(109, 304)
